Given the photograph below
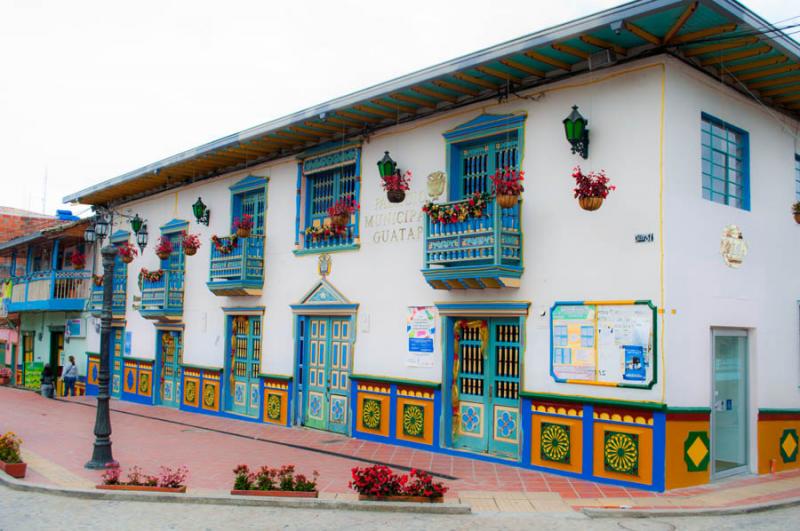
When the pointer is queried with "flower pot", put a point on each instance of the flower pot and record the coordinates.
(15, 470)
(127, 259)
(163, 255)
(243, 233)
(590, 203)
(141, 488)
(78, 265)
(277, 493)
(414, 499)
(507, 201)
(189, 251)
(797, 218)
(340, 220)
(396, 196)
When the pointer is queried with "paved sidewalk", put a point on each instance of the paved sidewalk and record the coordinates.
(58, 439)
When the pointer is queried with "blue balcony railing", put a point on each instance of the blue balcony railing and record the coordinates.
(162, 299)
(240, 271)
(50, 290)
(484, 252)
(119, 288)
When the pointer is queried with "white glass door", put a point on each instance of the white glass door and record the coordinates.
(729, 404)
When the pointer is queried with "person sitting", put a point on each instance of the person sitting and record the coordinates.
(47, 381)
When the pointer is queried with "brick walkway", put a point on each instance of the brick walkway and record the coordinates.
(58, 441)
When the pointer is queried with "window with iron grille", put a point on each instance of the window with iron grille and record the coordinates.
(797, 177)
(725, 163)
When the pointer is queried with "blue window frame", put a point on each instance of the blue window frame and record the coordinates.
(797, 177)
(249, 196)
(725, 163)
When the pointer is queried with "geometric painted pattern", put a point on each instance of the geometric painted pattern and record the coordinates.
(338, 409)
(413, 420)
(274, 407)
(255, 395)
(144, 384)
(554, 445)
(371, 413)
(168, 391)
(209, 396)
(696, 451)
(789, 445)
(506, 424)
(621, 452)
(315, 405)
(115, 384)
(190, 392)
(471, 422)
(239, 393)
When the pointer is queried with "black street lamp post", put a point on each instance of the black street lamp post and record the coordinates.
(101, 456)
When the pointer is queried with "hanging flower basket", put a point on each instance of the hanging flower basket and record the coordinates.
(127, 252)
(190, 243)
(243, 233)
(396, 196)
(341, 211)
(796, 212)
(340, 220)
(243, 226)
(507, 201)
(126, 258)
(797, 218)
(163, 255)
(590, 203)
(164, 248)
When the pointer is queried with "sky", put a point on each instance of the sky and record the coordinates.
(90, 90)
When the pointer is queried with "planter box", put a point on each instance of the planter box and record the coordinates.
(141, 488)
(414, 499)
(15, 470)
(277, 493)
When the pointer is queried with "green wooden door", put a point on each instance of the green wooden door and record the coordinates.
(244, 389)
(327, 377)
(115, 360)
(170, 345)
(489, 361)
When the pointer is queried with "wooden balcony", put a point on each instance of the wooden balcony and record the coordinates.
(118, 298)
(50, 291)
(239, 272)
(477, 253)
(162, 299)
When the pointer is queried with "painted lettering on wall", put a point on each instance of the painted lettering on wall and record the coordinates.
(389, 222)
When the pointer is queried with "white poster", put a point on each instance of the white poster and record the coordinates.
(421, 336)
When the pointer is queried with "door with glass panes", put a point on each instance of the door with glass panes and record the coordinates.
(487, 371)
(244, 391)
(170, 352)
(327, 373)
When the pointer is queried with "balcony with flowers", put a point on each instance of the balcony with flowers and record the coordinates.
(237, 261)
(162, 289)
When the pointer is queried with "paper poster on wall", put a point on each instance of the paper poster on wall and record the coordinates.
(421, 334)
(604, 344)
(128, 341)
(75, 328)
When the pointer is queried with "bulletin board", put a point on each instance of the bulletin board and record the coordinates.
(604, 343)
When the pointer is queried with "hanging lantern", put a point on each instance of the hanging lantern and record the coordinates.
(386, 166)
(201, 212)
(101, 227)
(89, 235)
(577, 132)
(136, 224)
(141, 237)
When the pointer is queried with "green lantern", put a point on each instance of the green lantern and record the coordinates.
(201, 212)
(577, 132)
(386, 166)
(136, 224)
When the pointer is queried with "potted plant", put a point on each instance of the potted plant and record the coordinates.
(508, 186)
(341, 211)
(10, 457)
(379, 483)
(190, 243)
(243, 226)
(268, 481)
(168, 480)
(225, 246)
(396, 185)
(5, 376)
(78, 260)
(796, 212)
(591, 188)
(164, 248)
(127, 252)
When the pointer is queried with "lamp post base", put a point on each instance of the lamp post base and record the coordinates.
(101, 457)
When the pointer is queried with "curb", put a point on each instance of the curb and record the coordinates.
(712, 511)
(240, 501)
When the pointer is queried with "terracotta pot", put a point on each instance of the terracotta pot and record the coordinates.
(396, 196)
(127, 259)
(163, 256)
(243, 233)
(797, 218)
(277, 493)
(507, 201)
(189, 251)
(590, 203)
(414, 499)
(79, 265)
(15, 470)
(141, 488)
(340, 220)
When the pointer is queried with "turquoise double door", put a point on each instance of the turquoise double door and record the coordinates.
(170, 352)
(486, 359)
(244, 384)
(328, 362)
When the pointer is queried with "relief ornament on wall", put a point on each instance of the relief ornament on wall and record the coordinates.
(733, 248)
(436, 182)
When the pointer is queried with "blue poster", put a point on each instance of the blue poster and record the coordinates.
(634, 363)
(127, 343)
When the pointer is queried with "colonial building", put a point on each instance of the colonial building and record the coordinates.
(651, 342)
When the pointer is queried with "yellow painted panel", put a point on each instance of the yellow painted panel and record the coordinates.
(644, 472)
(676, 469)
(406, 433)
(383, 426)
(769, 444)
(282, 396)
(575, 461)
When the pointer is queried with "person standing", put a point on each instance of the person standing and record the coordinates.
(70, 375)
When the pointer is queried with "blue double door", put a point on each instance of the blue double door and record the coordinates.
(170, 352)
(244, 365)
(486, 359)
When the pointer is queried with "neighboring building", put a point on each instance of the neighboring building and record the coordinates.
(620, 345)
(48, 291)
